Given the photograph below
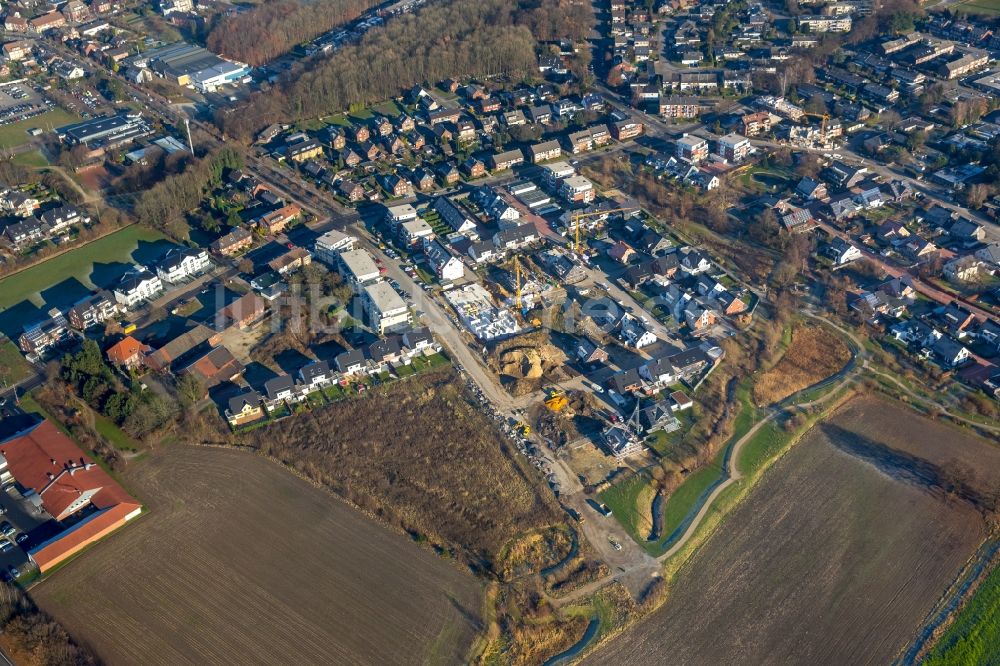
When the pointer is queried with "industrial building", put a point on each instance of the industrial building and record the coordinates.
(192, 66)
(105, 132)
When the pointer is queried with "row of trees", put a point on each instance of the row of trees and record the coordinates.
(34, 636)
(167, 201)
(273, 28)
(452, 39)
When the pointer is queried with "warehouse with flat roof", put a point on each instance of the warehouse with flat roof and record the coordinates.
(190, 65)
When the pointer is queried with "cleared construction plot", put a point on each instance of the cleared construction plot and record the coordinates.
(839, 554)
(240, 562)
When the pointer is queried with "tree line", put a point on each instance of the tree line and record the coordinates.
(453, 39)
(34, 636)
(272, 29)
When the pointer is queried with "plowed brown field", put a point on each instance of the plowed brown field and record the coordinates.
(835, 558)
(241, 562)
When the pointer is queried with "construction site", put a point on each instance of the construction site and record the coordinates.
(478, 314)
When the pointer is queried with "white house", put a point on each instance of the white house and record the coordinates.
(137, 286)
(634, 333)
(842, 252)
(447, 266)
(181, 263)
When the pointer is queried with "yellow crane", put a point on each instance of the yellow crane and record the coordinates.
(517, 281)
(822, 127)
(581, 216)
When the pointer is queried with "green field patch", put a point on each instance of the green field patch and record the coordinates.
(986, 7)
(68, 277)
(30, 159)
(16, 134)
(13, 367)
(623, 498)
(974, 636)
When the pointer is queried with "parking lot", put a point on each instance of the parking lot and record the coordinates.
(19, 101)
(22, 526)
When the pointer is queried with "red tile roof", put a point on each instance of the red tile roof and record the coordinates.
(120, 352)
(51, 464)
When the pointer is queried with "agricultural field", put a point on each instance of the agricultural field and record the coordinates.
(814, 354)
(65, 278)
(837, 556)
(239, 561)
(420, 455)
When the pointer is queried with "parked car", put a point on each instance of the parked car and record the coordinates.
(21, 538)
(6, 546)
(7, 529)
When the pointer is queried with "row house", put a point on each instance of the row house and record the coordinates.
(679, 106)
(505, 160)
(545, 150)
(589, 139)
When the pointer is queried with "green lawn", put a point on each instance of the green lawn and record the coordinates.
(986, 7)
(765, 443)
(13, 367)
(622, 499)
(77, 263)
(974, 637)
(16, 134)
(30, 159)
(115, 436)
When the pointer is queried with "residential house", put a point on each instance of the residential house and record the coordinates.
(316, 375)
(545, 150)
(278, 220)
(446, 266)
(232, 243)
(452, 215)
(279, 389)
(128, 353)
(211, 366)
(182, 263)
(350, 362)
(93, 310)
(136, 286)
(40, 337)
(842, 252)
(244, 408)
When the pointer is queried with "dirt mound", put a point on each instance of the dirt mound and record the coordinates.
(524, 363)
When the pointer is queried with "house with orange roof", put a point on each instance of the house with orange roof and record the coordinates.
(128, 353)
(54, 474)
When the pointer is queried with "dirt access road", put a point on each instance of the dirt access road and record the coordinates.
(238, 561)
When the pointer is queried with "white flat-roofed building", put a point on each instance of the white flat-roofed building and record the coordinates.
(330, 245)
(577, 189)
(386, 310)
(359, 269)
